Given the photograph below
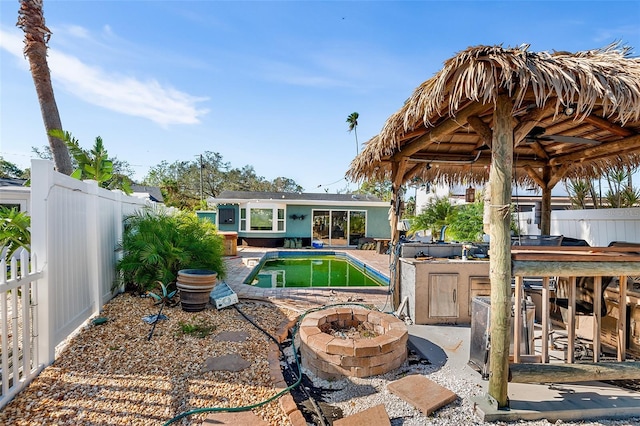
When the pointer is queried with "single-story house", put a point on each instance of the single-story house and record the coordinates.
(275, 219)
(13, 194)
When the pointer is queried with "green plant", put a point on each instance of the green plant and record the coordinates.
(14, 230)
(202, 329)
(165, 298)
(94, 164)
(157, 244)
(436, 214)
(466, 222)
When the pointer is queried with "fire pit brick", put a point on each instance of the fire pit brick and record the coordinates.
(331, 356)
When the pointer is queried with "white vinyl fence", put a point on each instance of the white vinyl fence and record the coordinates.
(75, 229)
(598, 227)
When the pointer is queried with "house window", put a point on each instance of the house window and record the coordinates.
(262, 219)
(227, 216)
(243, 219)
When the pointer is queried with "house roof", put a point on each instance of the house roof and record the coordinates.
(236, 197)
(574, 114)
(154, 192)
(12, 182)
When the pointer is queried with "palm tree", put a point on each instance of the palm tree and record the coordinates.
(36, 36)
(352, 119)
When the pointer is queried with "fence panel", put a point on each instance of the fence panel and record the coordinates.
(18, 325)
(598, 227)
(75, 228)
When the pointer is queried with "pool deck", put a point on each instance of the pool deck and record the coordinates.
(444, 344)
(240, 266)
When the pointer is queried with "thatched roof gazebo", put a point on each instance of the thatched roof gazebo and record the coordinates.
(508, 114)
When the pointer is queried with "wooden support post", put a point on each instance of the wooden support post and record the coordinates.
(545, 320)
(569, 373)
(500, 257)
(545, 204)
(622, 319)
(571, 321)
(517, 319)
(597, 315)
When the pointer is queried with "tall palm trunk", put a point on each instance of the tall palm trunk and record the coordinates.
(36, 36)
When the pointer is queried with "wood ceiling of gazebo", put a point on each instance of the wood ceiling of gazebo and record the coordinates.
(443, 132)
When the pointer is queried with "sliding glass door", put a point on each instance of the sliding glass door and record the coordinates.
(338, 227)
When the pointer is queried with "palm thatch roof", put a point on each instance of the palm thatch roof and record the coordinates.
(574, 115)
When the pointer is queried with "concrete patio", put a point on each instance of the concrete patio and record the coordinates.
(444, 344)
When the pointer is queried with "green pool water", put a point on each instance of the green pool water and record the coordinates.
(324, 271)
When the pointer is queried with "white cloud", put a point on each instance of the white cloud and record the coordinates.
(149, 99)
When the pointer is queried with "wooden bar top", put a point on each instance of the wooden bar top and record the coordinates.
(575, 254)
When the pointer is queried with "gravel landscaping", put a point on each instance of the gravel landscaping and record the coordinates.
(111, 374)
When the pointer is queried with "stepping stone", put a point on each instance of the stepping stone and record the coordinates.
(232, 336)
(375, 415)
(241, 418)
(230, 362)
(424, 394)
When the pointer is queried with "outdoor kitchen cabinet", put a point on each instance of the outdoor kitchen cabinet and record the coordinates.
(440, 291)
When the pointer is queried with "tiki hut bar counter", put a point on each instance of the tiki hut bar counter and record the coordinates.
(495, 116)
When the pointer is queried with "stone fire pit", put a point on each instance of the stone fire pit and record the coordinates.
(355, 342)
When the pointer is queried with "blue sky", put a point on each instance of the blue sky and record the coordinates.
(264, 83)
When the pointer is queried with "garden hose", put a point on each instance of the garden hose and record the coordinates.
(282, 392)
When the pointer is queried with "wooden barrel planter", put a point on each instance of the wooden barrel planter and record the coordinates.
(195, 285)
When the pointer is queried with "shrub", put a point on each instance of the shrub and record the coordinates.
(157, 245)
(14, 231)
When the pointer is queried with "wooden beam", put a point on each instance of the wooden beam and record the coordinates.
(446, 127)
(568, 373)
(538, 149)
(414, 170)
(501, 175)
(482, 129)
(557, 174)
(529, 121)
(604, 124)
(610, 149)
(534, 176)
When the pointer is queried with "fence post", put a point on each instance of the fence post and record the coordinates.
(41, 184)
(118, 218)
(93, 244)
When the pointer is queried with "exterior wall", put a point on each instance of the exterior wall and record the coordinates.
(211, 216)
(16, 195)
(377, 224)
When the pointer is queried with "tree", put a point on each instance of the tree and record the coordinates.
(94, 164)
(436, 214)
(180, 181)
(380, 189)
(465, 222)
(352, 119)
(36, 36)
(10, 170)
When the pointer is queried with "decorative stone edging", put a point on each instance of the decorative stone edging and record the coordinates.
(286, 401)
(329, 357)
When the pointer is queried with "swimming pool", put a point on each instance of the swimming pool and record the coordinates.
(283, 269)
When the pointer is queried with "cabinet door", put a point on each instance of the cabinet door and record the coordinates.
(443, 295)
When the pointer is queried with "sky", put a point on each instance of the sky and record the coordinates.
(267, 84)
